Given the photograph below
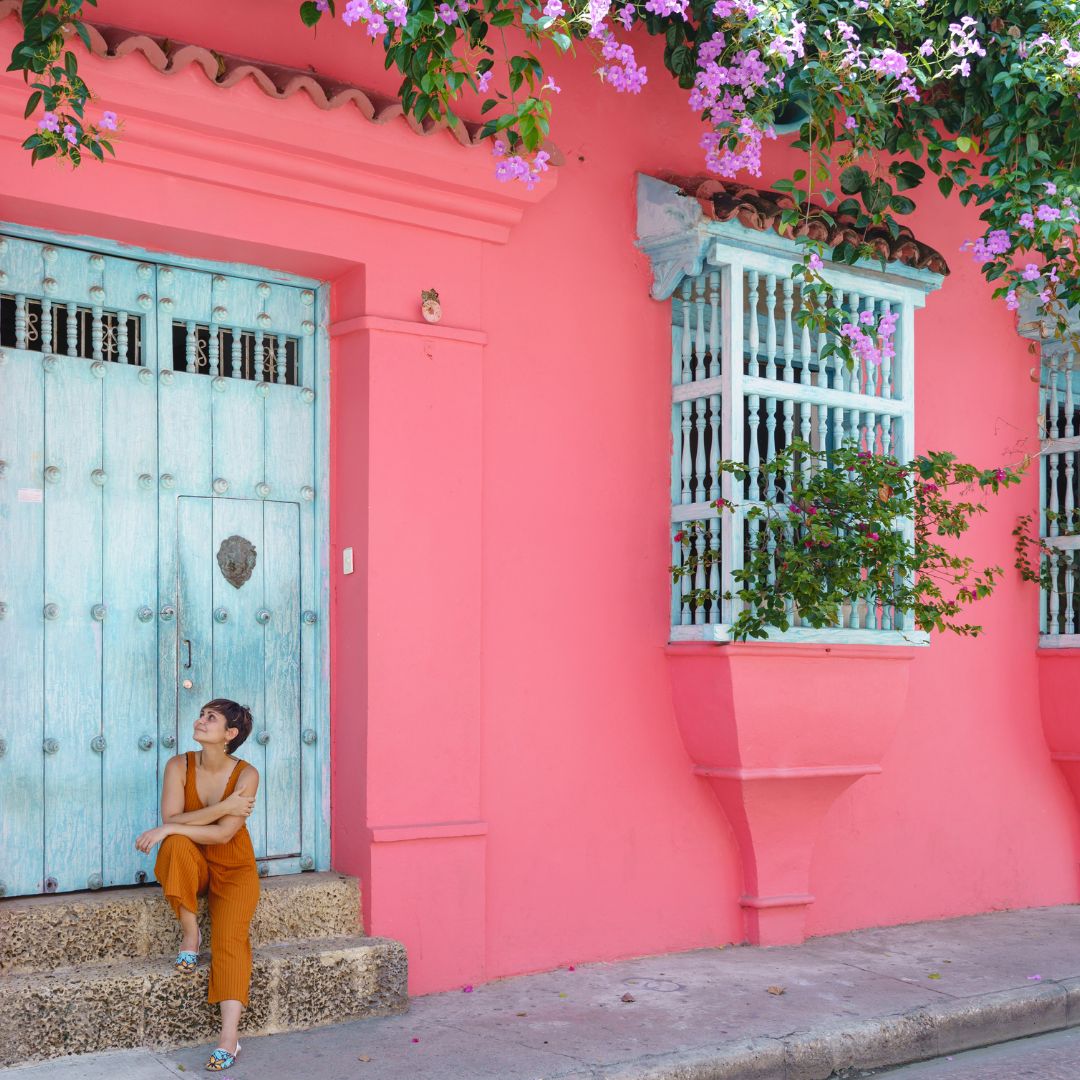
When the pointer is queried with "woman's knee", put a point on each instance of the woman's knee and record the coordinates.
(175, 849)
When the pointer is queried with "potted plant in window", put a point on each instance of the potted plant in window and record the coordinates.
(790, 713)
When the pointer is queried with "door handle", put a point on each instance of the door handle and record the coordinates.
(187, 643)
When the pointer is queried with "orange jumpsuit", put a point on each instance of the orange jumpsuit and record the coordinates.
(227, 872)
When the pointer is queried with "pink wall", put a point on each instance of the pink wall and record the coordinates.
(509, 779)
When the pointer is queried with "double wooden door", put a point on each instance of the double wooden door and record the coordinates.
(158, 538)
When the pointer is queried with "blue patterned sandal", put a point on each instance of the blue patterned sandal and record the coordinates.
(186, 962)
(220, 1060)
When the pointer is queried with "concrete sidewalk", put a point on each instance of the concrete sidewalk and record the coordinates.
(850, 1002)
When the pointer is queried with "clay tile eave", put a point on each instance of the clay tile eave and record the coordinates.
(761, 210)
(274, 80)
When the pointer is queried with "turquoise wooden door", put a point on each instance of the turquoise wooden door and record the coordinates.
(239, 630)
(148, 413)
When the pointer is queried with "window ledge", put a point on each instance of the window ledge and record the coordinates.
(720, 633)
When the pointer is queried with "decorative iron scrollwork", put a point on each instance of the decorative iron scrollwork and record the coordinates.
(236, 559)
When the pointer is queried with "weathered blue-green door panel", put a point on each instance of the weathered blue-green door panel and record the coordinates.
(73, 598)
(281, 710)
(148, 413)
(129, 655)
(238, 437)
(290, 472)
(22, 508)
(184, 463)
(238, 633)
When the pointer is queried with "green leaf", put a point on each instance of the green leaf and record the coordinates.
(32, 103)
(504, 17)
(853, 179)
(963, 144)
(945, 186)
(309, 13)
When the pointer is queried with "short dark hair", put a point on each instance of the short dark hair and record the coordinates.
(236, 716)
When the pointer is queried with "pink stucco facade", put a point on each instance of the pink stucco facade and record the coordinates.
(508, 777)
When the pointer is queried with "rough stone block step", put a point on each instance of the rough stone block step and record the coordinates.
(43, 933)
(295, 985)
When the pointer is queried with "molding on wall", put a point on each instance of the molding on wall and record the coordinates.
(444, 830)
(766, 902)
(379, 323)
(811, 772)
(192, 130)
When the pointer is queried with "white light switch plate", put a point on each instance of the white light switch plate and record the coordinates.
(347, 560)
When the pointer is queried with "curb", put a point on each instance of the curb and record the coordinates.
(843, 1050)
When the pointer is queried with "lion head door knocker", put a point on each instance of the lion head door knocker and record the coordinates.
(236, 558)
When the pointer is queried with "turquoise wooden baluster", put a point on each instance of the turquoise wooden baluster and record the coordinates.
(789, 339)
(1055, 600)
(753, 462)
(770, 326)
(713, 487)
(752, 322)
(1070, 627)
(237, 358)
(822, 363)
(700, 371)
(20, 322)
(805, 353)
(885, 387)
(713, 370)
(1055, 434)
(687, 341)
(46, 326)
(701, 480)
(686, 461)
(1070, 455)
(839, 367)
(73, 329)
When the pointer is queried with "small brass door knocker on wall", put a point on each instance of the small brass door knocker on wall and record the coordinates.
(236, 558)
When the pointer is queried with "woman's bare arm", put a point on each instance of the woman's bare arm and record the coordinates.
(223, 830)
(237, 803)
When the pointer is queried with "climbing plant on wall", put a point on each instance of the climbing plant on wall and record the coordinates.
(889, 95)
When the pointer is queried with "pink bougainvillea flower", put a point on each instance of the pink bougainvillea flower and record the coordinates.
(815, 261)
(49, 122)
(467, 989)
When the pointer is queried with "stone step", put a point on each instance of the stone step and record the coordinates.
(146, 1002)
(43, 933)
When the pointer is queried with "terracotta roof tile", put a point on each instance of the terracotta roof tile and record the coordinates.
(761, 210)
(223, 69)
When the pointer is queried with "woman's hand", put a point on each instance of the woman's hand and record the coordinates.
(238, 804)
(145, 841)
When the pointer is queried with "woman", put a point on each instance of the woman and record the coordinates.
(205, 848)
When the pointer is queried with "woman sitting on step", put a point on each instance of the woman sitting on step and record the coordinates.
(205, 848)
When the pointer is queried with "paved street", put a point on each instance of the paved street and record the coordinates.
(1044, 1057)
(846, 1004)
